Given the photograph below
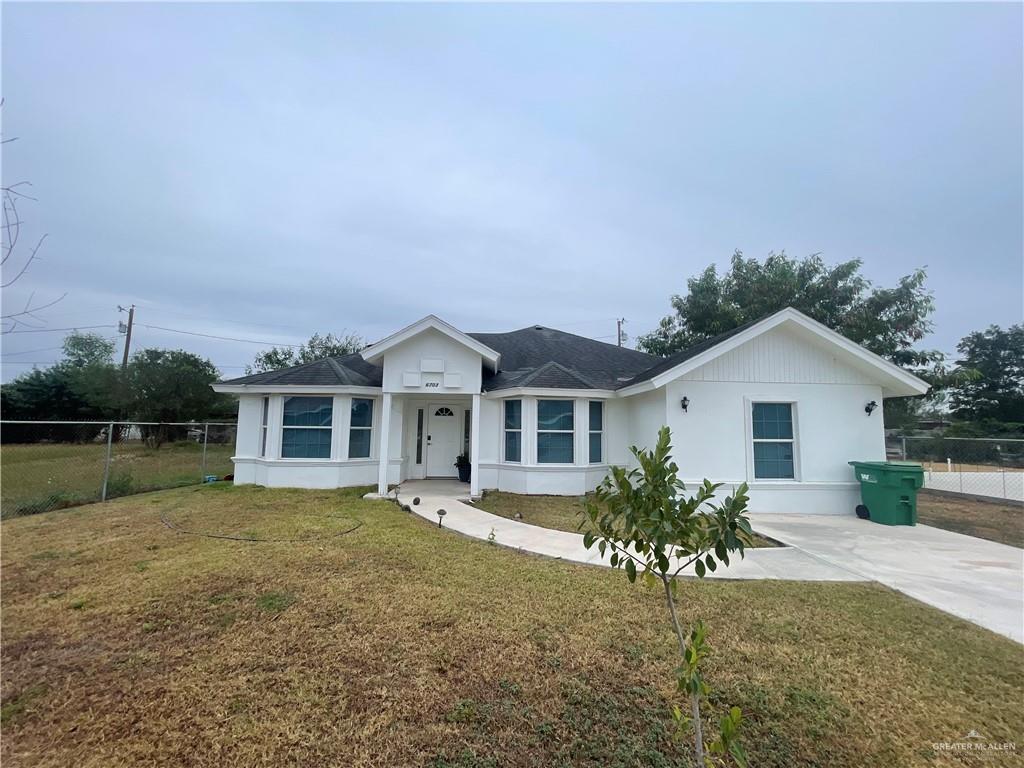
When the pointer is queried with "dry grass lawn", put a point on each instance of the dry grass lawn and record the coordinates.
(127, 643)
(992, 520)
(558, 512)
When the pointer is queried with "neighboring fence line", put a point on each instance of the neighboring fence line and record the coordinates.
(53, 464)
(975, 466)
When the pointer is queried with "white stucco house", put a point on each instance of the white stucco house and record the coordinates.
(783, 404)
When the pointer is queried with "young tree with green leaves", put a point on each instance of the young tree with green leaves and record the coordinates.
(317, 348)
(645, 523)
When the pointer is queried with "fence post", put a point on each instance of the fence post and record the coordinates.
(206, 434)
(904, 440)
(1004, 483)
(106, 465)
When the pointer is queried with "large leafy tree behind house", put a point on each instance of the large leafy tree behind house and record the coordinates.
(888, 321)
(317, 348)
(173, 385)
(996, 392)
(86, 385)
(69, 390)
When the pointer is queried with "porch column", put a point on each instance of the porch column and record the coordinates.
(384, 450)
(474, 448)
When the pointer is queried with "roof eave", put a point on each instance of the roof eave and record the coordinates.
(271, 389)
(594, 394)
(906, 383)
(376, 351)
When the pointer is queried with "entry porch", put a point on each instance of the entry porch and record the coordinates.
(425, 434)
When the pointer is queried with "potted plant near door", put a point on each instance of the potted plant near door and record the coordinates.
(462, 464)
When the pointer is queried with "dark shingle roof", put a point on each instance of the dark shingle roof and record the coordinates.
(580, 363)
(530, 357)
(347, 370)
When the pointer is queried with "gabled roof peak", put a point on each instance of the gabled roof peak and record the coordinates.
(376, 351)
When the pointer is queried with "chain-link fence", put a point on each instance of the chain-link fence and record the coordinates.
(53, 464)
(991, 467)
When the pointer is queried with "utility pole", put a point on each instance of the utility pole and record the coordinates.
(620, 337)
(123, 385)
(128, 335)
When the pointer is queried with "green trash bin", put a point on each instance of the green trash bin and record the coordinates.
(889, 490)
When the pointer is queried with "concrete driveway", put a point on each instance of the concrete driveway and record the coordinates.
(977, 580)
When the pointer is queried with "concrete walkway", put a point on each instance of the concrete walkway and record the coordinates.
(977, 580)
(764, 563)
(972, 578)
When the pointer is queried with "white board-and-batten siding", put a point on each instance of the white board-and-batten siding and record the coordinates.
(779, 357)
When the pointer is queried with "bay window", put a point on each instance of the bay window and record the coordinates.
(263, 427)
(514, 430)
(360, 428)
(306, 428)
(555, 431)
(596, 431)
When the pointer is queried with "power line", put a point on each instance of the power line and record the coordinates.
(222, 338)
(54, 330)
(193, 316)
(32, 351)
(54, 363)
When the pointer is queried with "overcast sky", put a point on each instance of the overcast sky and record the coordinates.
(266, 171)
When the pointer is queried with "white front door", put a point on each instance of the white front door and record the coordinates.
(443, 441)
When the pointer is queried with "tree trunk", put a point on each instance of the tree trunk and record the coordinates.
(698, 730)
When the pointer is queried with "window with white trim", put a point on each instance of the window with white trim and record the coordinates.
(419, 435)
(306, 428)
(596, 431)
(772, 429)
(555, 431)
(514, 430)
(360, 428)
(263, 427)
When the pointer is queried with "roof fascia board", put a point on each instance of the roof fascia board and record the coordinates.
(911, 382)
(636, 389)
(916, 385)
(293, 389)
(593, 394)
(376, 351)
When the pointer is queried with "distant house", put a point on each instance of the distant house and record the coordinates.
(782, 403)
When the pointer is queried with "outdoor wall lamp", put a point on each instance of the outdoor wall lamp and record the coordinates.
(685, 402)
(440, 514)
(870, 407)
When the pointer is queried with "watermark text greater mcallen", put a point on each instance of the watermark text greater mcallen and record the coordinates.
(974, 742)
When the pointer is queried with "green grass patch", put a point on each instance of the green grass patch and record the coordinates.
(274, 602)
(16, 705)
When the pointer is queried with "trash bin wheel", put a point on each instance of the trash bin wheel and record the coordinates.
(862, 512)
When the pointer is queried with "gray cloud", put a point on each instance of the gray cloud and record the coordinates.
(264, 171)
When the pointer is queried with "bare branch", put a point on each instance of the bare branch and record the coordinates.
(31, 258)
(29, 310)
(13, 190)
